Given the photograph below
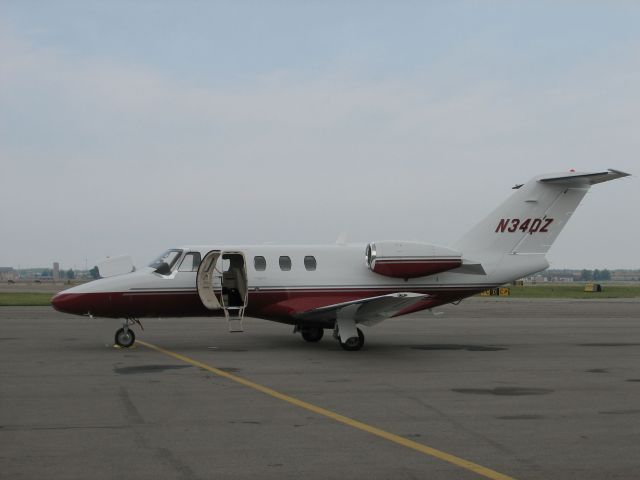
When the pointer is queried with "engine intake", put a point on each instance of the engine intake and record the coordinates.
(410, 259)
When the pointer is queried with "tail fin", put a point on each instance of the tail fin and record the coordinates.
(530, 220)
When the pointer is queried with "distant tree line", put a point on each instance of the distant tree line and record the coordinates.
(69, 274)
(584, 275)
(595, 275)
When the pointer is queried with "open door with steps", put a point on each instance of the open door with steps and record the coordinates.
(222, 285)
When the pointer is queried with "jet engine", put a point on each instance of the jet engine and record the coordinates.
(401, 259)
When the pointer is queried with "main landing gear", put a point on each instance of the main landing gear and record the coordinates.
(312, 334)
(345, 331)
(124, 336)
(351, 344)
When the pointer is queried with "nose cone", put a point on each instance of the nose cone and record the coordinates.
(69, 303)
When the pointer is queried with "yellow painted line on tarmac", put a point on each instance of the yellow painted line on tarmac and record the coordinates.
(392, 437)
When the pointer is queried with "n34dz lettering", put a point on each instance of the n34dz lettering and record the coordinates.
(528, 225)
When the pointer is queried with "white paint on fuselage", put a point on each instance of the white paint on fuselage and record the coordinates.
(337, 267)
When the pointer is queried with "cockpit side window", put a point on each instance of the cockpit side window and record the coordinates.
(169, 258)
(190, 262)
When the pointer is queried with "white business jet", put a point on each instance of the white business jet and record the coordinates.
(340, 287)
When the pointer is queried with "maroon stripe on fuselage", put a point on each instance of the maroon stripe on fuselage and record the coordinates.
(280, 305)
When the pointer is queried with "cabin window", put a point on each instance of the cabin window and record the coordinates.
(310, 263)
(259, 263)
(190, 262)
(285, 263)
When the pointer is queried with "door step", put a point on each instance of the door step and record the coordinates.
(234, 319)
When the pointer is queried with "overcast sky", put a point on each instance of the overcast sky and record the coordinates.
(129, 127)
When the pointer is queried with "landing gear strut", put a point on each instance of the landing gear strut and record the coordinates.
(124, 336)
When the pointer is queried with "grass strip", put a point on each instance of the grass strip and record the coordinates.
(573, 291)
(25, 299)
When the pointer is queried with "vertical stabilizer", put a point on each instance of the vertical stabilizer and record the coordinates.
(531, 219)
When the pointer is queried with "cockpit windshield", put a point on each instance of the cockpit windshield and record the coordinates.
(169, 257)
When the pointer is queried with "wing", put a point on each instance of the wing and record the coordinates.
(367, 311)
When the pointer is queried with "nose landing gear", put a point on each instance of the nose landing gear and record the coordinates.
(124, 336)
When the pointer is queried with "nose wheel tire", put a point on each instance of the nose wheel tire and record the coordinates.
(354, 343)
(125, 338)
(312, 334)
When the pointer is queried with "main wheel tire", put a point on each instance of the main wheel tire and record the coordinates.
(124, 338)
(354, 343)
(312, 334)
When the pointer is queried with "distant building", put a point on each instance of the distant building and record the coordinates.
(535, 279)
(625, 275)
(563, 279)
(8, 273)
(56, 272)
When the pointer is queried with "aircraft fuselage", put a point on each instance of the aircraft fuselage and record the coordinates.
(340, 275)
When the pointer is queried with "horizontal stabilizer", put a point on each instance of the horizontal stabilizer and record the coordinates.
(585, 178)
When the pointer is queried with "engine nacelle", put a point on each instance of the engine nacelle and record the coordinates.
(410, 259)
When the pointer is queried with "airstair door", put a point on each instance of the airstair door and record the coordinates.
(234, 288)
(208, 280)
(222, 284)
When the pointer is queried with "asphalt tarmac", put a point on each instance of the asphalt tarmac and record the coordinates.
(526, 389)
